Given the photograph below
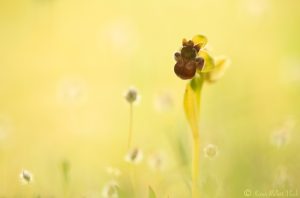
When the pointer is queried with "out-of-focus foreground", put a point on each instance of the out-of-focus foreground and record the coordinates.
(64, 68)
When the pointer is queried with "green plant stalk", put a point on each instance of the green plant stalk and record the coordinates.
(130, 126)
(195, 167)
(133, 179)
(192, 107)
(132, 168)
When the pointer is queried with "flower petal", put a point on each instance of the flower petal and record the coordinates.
(200, 40)
(151, 193)
(221, 64)
(209, 63)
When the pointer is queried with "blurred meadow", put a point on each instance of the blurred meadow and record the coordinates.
(65, 66)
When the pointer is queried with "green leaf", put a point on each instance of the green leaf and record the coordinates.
(65, 165)
(222, 63)
(121, 192)
(200, 40)
(191, 103)
(151, 193)
(209, 63)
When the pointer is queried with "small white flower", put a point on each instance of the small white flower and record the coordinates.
(211, 151)
(110, 190)
(281, 136)
(282, 178)
(5, 126)
(132, 96)
(290, 70)
(256, 8)
(113, 171)
(163, 102)
(134, 156)
(72, 91)
(26, 177)
(156, 161)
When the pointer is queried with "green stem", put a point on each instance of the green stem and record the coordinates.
(130, 126)
(192, 99)
(133, 179)
(195, 167)
(196, 144)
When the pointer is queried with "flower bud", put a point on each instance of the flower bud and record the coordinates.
(131, 95)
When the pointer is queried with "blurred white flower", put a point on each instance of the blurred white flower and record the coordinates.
(110, 190)
(120, 36)
(163, 102)
(26, 177)
(290, 70)
(156, 161)
(72, 91)
(134, 156)
(132, 96)
(281, 136)
(282, 178)
(256, 8)
(5, 126)
(113, 171)
(211, 151)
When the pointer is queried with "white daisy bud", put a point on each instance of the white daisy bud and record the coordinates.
(211, 151)
(132, 95)
(134, 156)
(26, 177)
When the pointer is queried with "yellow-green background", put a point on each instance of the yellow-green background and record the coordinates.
(65, 64)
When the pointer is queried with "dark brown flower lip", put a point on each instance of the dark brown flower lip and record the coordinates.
(187, 60)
